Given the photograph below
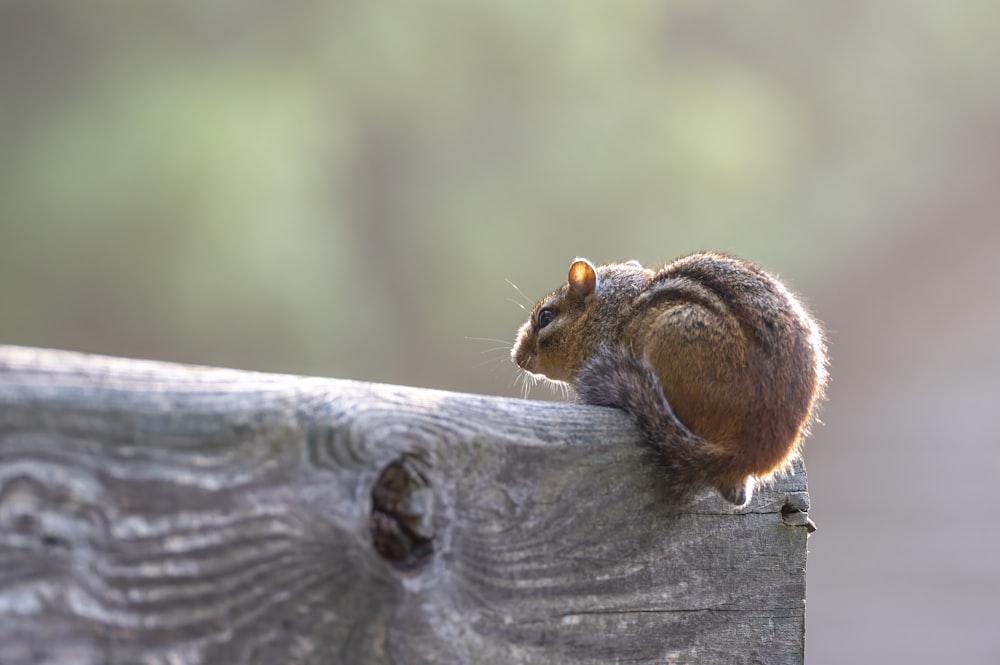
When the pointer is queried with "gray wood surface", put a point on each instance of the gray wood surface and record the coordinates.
(159, 513)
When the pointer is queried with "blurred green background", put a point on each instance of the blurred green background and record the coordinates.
(344, 189)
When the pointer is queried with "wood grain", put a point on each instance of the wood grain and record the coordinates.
(158, 513)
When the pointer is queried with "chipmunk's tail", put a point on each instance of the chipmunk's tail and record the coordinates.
(617, 378)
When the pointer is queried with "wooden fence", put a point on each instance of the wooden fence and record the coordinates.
(159, 513)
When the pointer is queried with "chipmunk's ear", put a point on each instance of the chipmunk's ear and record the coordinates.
(582, 278)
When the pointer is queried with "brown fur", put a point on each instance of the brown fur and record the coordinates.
(719, 363)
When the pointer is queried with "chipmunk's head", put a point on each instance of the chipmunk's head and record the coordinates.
(569, 323)
(548, 342)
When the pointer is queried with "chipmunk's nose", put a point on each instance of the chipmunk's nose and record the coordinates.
(521, 358)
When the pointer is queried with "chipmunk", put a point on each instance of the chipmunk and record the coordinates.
(719, 363)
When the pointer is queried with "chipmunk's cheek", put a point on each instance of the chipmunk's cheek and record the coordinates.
(549, 370)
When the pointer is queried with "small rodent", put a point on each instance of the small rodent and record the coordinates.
(719, 363)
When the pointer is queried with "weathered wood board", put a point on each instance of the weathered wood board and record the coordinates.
(159, 513)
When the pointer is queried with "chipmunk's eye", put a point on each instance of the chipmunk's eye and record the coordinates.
(545, 317)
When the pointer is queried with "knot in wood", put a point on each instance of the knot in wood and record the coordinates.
(402, 507)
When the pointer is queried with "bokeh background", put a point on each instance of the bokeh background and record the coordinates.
(344, 189)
